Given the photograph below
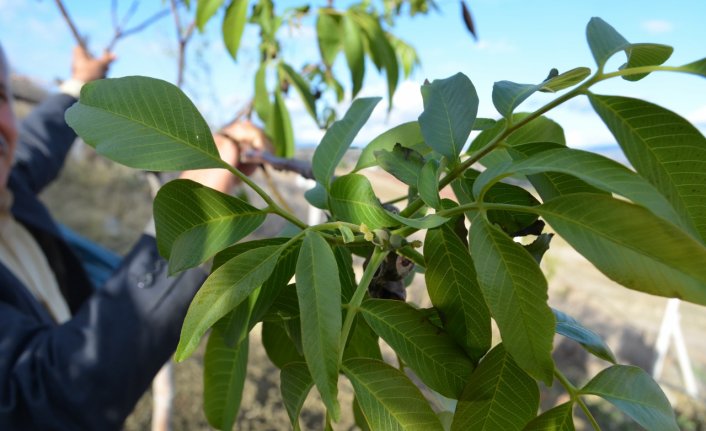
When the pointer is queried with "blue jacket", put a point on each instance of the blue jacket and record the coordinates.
(88, 373)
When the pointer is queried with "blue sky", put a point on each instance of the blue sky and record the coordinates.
(519, 41)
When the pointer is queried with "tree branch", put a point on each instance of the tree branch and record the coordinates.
(79, 40)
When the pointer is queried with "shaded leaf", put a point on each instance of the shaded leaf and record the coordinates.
(281, 127)
(425, 348)
(450, 108)
(428, 184)
(279, 346)
(317, 197)
(406, 134)
(664, 148)
(539, 246)
(194, 222)
(559, 418)
(468, 20)
(594, 343)
(403, 163)
(388, 399)
(224, 289)
(339, 137)
(272, 288)
(634, 392)
(507, 95)
(645, 54)
(516, 293)
(319, 294)
(631, 245)
(233, 25)
(228, 253)
(295, 385)
(454, 291)
(302, 87)
(143, 123)
(499, 396)
(355, 52)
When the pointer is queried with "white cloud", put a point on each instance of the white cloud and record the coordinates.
(657, 26)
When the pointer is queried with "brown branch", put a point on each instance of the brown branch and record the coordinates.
(301, 167)
(79, 40)
(121, 34)
(183, 37)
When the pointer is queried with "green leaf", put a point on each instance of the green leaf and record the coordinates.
(403, 163)
(228, 253)
(355, 52)
(143, 123)
(454, 291)
(516, 293)
(565, 80)
(359, 417)
(697, 67)
(279, 346)
(499, 396)
(233, 25)
(559, 418)
(483, 123)
(205, 9)
(319, 294)
(597, 170)
(388, 399)
(295, 386)
(317, 197)
(194, 222)
(339, 137)
(363, 342)
(227, 287)
(450, 108)
(631, 245)
(428, 184)
(664, 148)
(507, 95)
(381, 51)
(302, 87)
(352, 199)
(594, 343)
(407, 134)
(282, 133)
(406, 53)
(539, 246)
(605, 41)
(634, 392)
(430, 221)
(328, 33)
(225, 370)
(430, 352)
(277, 283)
(261, 101)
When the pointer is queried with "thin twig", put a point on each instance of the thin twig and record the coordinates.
(121, 34)
(301, 167)
(79, 40)
(275, 191)
(183, 36)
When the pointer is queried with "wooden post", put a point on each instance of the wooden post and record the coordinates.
(671, 328)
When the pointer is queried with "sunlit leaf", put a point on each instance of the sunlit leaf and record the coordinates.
(565, 80)
(631, 245)
(516, 293)
(281, 127)
(319, 294)
(302, 87)
(450, 108)
(388, 399)
(328, 32)
(559, 418)
(697, 67)
(355, 52)
(634, 392)
(233, 25)
(261, 101)
(295, 385)
(430, 352)
(194, 222)
(205, 9)
(144, 123)
(594, 343)
(353, 200)
(338, 139)
(454, 291)
(499, 395)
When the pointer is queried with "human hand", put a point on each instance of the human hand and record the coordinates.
(86, 68)
(243, 136)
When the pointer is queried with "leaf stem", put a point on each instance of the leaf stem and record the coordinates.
(376, 260)
(273, 207)
(638, 71)
(575, 397)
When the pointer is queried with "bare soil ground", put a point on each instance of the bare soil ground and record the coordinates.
(628, 320)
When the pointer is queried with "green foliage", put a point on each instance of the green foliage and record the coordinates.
(649, 237)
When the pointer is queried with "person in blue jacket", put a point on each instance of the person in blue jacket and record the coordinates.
(71, 357)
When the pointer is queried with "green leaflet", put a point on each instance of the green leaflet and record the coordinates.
(194, 222)
(354, 50)
(558, 418)
(224, 289)
(454, 291)
(280, 126)
(596, 170)
(634, 392)
(261, 101)
(319, 294)
(228, 253)
(388, 399)
(497, 387)
(352, 199)
(407, 134)
(565, 80)
(339, 137)
(631, 245)
(295, 386)
(605, 41)
(328, 33)
(143, 123)
(406, 53)
(428, 184)
(380, 49)
(278, 344)
(205, 9)
(430, 352)
(233, 25)
(569, 327)
(664, 148)
(450, 108)
(302, 87)
(697, 67)
(403, 163)
(225, 369)
(516, 292)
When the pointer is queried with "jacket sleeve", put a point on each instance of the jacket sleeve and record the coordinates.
(89, 372)
(44, 141)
